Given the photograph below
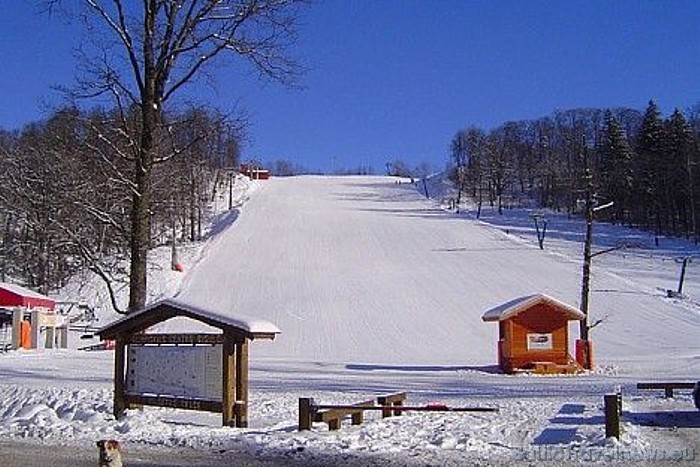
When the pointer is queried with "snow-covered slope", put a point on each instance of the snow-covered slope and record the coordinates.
(378, 289)
(366, 270)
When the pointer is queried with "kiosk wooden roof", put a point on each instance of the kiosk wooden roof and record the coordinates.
(250, 328)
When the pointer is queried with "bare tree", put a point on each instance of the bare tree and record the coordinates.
(145, 54)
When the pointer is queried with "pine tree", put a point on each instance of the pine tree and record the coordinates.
(682, 159)
(650, 183)
(615, 159)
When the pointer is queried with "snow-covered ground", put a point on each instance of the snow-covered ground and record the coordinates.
(378, 289)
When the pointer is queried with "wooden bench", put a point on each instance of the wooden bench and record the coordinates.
(310, 412)
(389, 404)
(668, 387)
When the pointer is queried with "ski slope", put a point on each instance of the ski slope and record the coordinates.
(377, 289)
(365, 270)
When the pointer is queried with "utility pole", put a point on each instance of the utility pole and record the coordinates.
(586, 276)
(584, 351)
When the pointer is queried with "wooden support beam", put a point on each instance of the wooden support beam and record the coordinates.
(176, 339)
(173, 402)
(612, 415)
(120, 404)
(334, 416)
(307, 413)
(228, 381)
(242, 383)
(395, 400)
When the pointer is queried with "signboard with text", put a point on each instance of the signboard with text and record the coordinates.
(180, 371)
(539, 342)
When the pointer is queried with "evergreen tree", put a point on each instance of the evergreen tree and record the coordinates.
(615, 159)
(682, 159)
(650, 183)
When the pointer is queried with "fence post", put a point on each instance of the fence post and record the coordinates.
(306, 411)
(612, 415)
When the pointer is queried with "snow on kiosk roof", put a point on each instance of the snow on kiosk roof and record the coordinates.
(251, 328)
(518, 305)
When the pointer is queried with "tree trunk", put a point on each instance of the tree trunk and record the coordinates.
(140, 233)
(140, 209)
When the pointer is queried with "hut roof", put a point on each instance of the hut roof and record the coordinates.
(516, 306)
(16, 295)
(170, 307)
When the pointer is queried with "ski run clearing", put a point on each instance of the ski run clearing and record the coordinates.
(378, 289)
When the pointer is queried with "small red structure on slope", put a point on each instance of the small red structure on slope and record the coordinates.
(534, 334)
(254, 172)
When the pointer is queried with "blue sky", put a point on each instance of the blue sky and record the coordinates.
(397, 79)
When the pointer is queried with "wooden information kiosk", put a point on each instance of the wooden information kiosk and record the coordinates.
(533, 334)
(195, 371)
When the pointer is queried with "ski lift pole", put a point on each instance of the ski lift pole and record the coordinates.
(685, 260)
(540, 234)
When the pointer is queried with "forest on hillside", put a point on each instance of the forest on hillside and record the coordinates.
(66, 182)
(66, 185)
(644, 164)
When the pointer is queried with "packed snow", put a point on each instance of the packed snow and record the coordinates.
(378, 289)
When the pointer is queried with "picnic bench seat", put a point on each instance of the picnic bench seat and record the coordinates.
(668, 387)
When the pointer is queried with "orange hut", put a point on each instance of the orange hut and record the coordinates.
(534, 334)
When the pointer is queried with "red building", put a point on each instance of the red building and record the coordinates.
(254, 172)
(12, 295)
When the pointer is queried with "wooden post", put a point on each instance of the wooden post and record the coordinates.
(120, 404)
(63, 337)
(385, 412)
(242, 383)
(306, 413)
(334, 424)
(228, 397)
(394, 400)
(357, 417)
(50, 337)
(34, 321)
(612, 415)
(17, 318)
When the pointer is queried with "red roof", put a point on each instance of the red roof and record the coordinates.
(15, 295)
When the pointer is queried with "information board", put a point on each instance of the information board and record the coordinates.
(539, 342)
(186, 371)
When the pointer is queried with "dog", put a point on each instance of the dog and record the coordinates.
(110, 453)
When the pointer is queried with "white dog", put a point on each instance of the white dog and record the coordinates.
(110, 453)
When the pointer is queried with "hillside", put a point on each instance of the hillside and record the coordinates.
(378, 289)
(366, 270)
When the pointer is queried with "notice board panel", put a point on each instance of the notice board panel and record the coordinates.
(186, 371)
